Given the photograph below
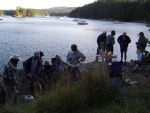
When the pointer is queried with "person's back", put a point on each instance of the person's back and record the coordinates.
(110, 41)
(101, 42)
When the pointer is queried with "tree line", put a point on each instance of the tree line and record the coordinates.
(29, 12)
(22, 12)
(122, 10)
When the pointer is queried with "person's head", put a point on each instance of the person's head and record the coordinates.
(113, 33)
(141, 34)
(36, 55)
(46, 62)
(104, 33)
(41, 54)
(14, 59)
(124, 33)
(73, 47)
(57, 57)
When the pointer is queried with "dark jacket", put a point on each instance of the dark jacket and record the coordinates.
(48, 68)
(142, 42)
(101, 38)
(27, 66)
(123, 40)
(10, 74)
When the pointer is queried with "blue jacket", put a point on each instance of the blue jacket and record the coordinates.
(110, 39)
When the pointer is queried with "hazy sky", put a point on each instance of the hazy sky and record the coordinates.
(39, 4)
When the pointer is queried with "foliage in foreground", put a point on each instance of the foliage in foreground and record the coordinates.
(93, 94)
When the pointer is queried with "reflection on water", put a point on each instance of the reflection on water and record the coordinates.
(54, 36)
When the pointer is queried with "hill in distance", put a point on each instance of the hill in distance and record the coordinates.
(59, 11)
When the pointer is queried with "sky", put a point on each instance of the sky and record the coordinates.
(41, 4)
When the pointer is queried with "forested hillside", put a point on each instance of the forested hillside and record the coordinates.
(123, 10)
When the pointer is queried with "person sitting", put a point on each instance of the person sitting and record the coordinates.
(48, 70)
(74, 57)
(137, 63)
(57, 64)
(9, 78)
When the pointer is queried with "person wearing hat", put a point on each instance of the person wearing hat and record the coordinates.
(101, 42)
(9, 78)
(123, 41)
(33, 70)
(142, 42)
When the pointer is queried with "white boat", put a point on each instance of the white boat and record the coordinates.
(82, 22)
(59, 17)
(117, 22)
(1, 18)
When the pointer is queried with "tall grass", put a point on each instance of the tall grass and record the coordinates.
(92, 94)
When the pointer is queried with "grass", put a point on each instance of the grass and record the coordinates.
(93, 94)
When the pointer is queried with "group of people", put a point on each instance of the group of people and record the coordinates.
(35, 68)
(106, 44)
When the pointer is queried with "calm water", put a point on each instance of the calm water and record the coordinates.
(54, 36)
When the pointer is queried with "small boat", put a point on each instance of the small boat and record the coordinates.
(59, 17)
(82, 22)
(1, 18)
(117, 22)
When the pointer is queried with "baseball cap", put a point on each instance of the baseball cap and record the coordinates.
(37, 54)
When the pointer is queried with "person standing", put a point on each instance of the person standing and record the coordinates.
(123, 41)
(74, 57)
(32, 68)
(9, 78)
(142, 43)
(101, 42)
(110, 41)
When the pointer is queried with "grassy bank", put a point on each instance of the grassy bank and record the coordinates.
(92, 94)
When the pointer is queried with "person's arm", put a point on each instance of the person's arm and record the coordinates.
(82, 57)
(69, 56)
(98, 40)
(119, 41)
(113, 40)
(129, 40)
